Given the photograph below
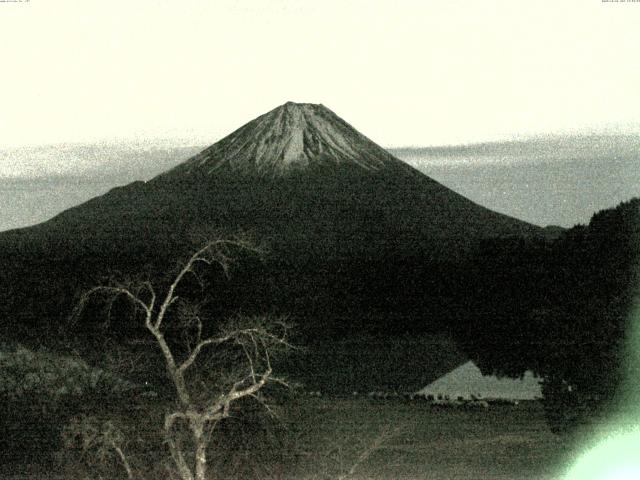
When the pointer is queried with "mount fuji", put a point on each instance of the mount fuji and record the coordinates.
(356, 237)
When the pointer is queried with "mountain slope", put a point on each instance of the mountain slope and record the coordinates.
(298, 170)
(292, 136)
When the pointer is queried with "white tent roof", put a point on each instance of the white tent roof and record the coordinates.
(467, 380)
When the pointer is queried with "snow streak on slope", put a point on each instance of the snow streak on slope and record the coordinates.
(290, 137)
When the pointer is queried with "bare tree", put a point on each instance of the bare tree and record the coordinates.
(205, 387)
(103, 438)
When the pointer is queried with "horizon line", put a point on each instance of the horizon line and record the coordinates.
(199, 140)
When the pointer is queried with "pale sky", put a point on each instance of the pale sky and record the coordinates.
(402, 72)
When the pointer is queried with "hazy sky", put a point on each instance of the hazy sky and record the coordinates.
(402, 72)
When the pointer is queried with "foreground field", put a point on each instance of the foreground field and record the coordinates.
(397, 440)
(341, 438)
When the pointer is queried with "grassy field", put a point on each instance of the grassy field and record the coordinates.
(351, 438)
(422, 442)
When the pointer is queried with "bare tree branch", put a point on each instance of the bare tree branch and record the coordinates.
(254, 339)
(198, 348)
(112, 293)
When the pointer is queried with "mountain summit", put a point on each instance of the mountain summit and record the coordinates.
(289, 138)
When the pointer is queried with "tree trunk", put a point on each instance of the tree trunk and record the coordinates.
(176, 453)
(201, 460)
(201, 452)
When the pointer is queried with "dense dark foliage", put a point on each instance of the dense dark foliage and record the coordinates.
(558, 307)
(561, 309)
